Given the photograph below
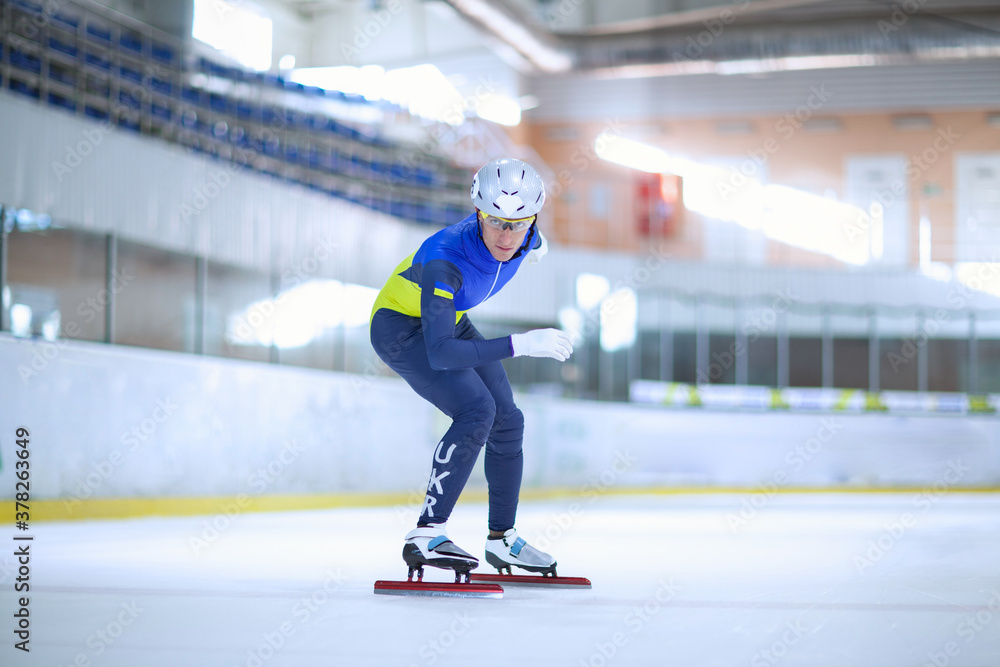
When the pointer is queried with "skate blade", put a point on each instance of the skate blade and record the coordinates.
(438, 589)
(530, 580)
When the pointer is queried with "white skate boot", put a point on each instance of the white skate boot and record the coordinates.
(510, 549)
(429, 545)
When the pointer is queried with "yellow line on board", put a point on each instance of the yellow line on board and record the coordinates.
(70, 509)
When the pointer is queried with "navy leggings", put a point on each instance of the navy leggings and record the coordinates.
(481, 405)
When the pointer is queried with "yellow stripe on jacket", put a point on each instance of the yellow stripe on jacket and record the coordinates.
(403, 296)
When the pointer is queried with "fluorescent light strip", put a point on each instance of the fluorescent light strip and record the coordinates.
(832, 228)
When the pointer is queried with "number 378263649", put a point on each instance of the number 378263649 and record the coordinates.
(23, 473)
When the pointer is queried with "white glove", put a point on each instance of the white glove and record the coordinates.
(551, 343)
(536, 254)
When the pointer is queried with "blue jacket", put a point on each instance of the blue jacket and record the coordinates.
(450, 273)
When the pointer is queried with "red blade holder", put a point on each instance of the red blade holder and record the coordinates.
(436, 589)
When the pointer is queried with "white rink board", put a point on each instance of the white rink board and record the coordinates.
(110, 421)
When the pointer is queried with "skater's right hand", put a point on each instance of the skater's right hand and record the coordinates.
(551, 343)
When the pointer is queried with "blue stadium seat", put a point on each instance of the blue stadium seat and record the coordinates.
(98, 61)
(98, 32)
(128, 123)
(99, 88)
(161, 112)
(270, 147)
(62, 47)
(25, 61)
(128, 100)
(162, 52)
(216, 69)
(65, 21)
(218, 103)
(161, 86)
(62, 75)
(423, 214)
(189, 120)
(131, 41)
(24, 88)
(58, 100)
(244, 109)
(94, 112)
(273, 115)
(423, 176)
(26, 6)
(193, 95)
(130, 74)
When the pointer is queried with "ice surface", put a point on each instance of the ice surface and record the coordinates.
(828, 579)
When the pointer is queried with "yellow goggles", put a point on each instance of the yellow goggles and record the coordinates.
(518, 225)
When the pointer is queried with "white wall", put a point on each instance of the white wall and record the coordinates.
(124, 422)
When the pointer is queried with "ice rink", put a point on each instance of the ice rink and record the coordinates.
(873, 580)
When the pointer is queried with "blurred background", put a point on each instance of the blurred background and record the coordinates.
(775, 209)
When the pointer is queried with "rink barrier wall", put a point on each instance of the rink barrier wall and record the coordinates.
(152, 431)
(131, 508)
(746, 397)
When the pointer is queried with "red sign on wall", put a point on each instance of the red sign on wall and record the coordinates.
(658, 204)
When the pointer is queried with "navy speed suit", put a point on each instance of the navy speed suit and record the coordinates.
(420, 329)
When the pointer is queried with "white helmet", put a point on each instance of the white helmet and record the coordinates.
(508, 188)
